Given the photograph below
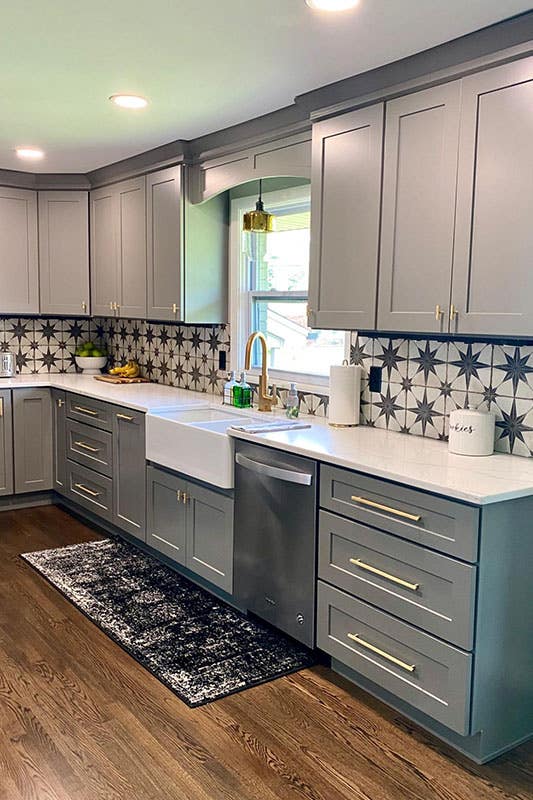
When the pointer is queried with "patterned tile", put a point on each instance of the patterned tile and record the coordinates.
(362, 351)
(425, 412)
(514, 426)
(392, 356)
(512, 371)
(389, 407)
(427, 364)
(469, 366)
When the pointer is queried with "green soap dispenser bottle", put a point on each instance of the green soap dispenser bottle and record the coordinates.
(242, 393)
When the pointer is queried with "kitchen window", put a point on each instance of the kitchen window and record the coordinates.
(270, 275)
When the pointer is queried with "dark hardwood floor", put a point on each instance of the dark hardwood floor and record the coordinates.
(81, 720)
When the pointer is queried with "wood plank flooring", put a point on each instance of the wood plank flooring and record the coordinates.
(81, 720)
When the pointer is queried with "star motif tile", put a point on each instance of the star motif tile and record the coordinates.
(512, 371)
(425, 412)
(514, 426)
(469, 366)
(388, 408)
(427, 364)
(391, 355)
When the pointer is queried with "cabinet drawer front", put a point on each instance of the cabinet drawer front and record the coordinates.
(439, 523)
(93, 412)
(90, 446)
(90, 490)
(429, 590)
(426, 673)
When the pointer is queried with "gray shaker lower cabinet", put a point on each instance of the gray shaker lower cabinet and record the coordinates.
(59, 441)
(210, 536)
(166, 514)
(6, 443)
(129, 472)
(32, 429)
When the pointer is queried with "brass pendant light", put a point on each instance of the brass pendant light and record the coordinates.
(258, 221)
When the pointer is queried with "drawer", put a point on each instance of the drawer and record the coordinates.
(90, 446)
(93, 412)
(430, 675)
(90, 490)
(425, 588)
(435, 522)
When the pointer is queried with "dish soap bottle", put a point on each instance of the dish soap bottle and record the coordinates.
(242, 393)
(292, 408)
(227, 397)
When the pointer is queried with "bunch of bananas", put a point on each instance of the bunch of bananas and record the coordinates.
(131, 370)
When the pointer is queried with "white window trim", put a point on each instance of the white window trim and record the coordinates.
(239, 299)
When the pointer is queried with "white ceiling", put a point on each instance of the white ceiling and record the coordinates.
(204, 65)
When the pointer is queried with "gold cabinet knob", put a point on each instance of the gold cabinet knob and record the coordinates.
(438, 312)
(453, 313)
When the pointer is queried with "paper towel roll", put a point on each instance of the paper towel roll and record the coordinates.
(344, 394)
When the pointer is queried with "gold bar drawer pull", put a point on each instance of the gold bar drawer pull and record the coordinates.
(375, 571)
(87, 447)
(372, 647)
(380, 507)
(85, 489)
(86, 411)
(125, 416)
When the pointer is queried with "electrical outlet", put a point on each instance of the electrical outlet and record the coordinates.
(222, 359)
(375, 379)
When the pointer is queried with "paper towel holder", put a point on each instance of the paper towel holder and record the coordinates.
(345, 363)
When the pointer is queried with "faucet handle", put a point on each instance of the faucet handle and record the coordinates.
(274, 394)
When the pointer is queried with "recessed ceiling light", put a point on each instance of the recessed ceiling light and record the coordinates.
(129, 100)
(332, 5)
(29, 152)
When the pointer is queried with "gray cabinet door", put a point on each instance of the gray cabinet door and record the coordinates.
(210, 536)
(492, 275)
(32, 436)
(166, 513)
(19, 260)
(164, 243)
(129, 472)
(419, 183)
(104, 251)
(59, 441)
(6, 443)
(345, 209)
(131, 277)
(64, 252)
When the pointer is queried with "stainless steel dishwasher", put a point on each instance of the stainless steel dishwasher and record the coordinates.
(275, 538)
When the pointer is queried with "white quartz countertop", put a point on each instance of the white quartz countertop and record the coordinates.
(147, 397)
(412, 460)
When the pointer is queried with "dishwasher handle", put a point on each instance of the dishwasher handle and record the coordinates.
(289, 475)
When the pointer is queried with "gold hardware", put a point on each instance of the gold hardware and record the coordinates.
(59, 402)
(375, 571)
(125, 416)
(382, 653)
(438, 312)
(1, 406)
(453, 313)
(117, 307)
(266, 401)
(111, 306)
(185, 498)
(87, 447)
(87, 490)
(388, 509)
(86, 411)
(178, 495)
(83, 305)
(174, 308)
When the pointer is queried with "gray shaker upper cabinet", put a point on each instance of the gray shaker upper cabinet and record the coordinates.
(104, 251)
(164, 243)
(493, 275)
(19, 259)
(419, 189)
(118, 249)
(345, 210)
(64, 252)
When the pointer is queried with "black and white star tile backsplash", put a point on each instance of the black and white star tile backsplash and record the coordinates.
(423, 379)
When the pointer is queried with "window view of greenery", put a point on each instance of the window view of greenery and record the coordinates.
(278, 279)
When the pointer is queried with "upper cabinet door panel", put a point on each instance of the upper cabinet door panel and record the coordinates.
(345, 207)
(64, 252)
(19, 261)
(419, 183)
(104, 251)
(132, 248)
(493, 275)
(164, 243)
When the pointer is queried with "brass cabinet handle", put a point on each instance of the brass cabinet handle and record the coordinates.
(87, 447)
(83, 305)
(438, 312)
(111, 305)
(59, 402)
(1, 406)
(404, 514)
(382, 653)
(185, 498)
(125, 416)
(86, 411)
(86, 489)
(174, 308)
(178, 495)
(375, 571)
(453, 312)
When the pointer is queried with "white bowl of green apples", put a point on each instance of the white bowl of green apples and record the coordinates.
(90, 358)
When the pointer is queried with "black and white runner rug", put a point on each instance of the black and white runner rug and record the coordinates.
(198, 646)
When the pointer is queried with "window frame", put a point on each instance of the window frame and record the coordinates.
(241, 295)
